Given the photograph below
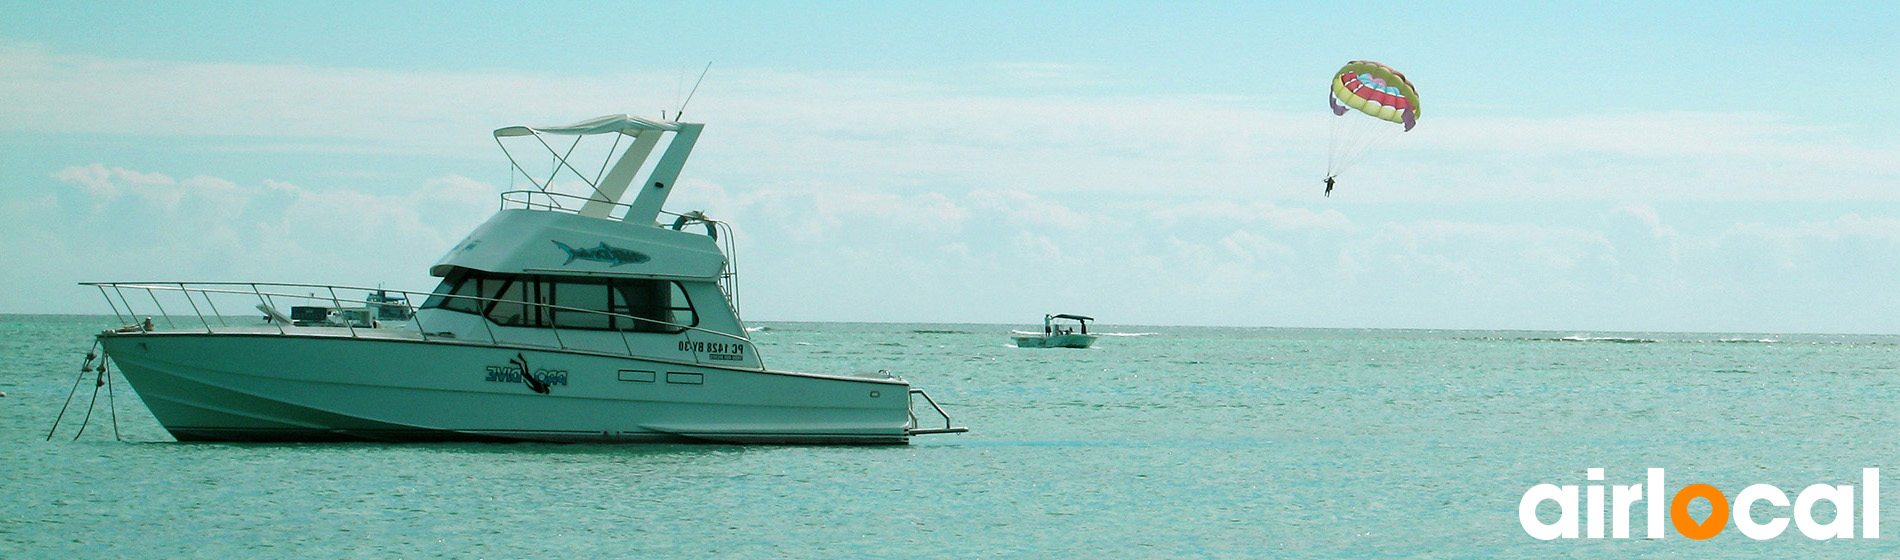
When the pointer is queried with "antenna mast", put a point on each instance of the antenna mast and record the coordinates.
(689, 95)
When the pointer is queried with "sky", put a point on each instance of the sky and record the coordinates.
(1702, 166)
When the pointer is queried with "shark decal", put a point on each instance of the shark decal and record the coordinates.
(614, 256)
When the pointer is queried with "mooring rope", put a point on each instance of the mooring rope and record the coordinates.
(112, 400)
(92, 405)
(84, 369)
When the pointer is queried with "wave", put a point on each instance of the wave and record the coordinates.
(1609, 339)
(937, 331)
(1630, 340)
(1638, 340)
(756, 329)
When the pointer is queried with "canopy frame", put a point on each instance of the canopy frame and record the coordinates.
(609, 185)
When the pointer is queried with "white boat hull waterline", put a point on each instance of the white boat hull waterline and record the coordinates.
(267, 387)
(563, 318)
(1056, 341)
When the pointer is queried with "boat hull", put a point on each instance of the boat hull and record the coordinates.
(278, 388)
(1056, 341)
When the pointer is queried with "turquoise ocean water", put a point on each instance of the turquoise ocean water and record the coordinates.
(1167, 442)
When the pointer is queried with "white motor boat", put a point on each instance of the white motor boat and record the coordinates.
(1059, 334)
(563, 318)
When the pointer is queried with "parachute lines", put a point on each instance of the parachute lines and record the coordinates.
(1371, 103)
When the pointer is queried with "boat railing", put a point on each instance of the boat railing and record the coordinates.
(915, 427)
(552, 201)
(202, 298)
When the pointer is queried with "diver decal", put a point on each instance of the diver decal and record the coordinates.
(539, 381)
(537, 385)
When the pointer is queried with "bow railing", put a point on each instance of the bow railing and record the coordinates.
(379, 313)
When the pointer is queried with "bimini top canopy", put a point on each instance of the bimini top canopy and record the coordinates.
(623, 124)
(1068, 316)
(609, 186)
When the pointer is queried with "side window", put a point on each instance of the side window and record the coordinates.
(462, 283)
(512, 311)
(638, 298)
(657, 305)
(584, 296)
(681, 307)
(448, 286)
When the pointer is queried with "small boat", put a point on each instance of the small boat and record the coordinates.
(564, 318)
(378, 307)
(388, 307)
(1059, 335)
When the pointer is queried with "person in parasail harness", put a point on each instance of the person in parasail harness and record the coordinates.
(1329, 187)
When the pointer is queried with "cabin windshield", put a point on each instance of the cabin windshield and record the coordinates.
(655, 305)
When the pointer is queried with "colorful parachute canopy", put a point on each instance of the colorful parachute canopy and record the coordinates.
(1375, 89)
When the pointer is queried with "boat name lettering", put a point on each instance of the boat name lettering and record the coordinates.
(512, 374)
(728, 351)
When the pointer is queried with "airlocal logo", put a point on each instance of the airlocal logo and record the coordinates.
(1841, 497)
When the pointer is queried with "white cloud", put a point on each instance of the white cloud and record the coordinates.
(106, 185)
(1025, 209)
(110, 223)
(1248, 248)
(1265, 213)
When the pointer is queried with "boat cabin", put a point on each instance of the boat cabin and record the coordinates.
(1050, 326)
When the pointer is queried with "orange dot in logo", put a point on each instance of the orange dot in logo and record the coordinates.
(1718, 514)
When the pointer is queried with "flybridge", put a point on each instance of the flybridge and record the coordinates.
(605, 187)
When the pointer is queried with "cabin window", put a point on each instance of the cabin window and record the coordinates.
(514, 309)
(584, 296)
(640, 305)
(462, 282)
